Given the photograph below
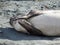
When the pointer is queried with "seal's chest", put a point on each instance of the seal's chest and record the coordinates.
(49, 24)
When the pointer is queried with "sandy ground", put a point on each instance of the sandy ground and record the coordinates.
(8, 35)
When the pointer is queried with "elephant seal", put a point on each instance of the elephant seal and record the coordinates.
(46, 22)
(21, 24)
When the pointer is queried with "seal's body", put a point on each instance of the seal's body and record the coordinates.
(48, 23)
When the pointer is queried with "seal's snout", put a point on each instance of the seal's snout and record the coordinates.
(12, 19)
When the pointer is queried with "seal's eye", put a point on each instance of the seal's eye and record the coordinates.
(13, 19)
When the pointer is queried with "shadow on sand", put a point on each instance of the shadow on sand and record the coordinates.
(11, 34)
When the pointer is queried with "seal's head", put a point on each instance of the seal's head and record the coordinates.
(14, 23)
(21, 24)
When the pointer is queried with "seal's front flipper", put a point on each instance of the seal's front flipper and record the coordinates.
(33, 13)
(31, 29)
